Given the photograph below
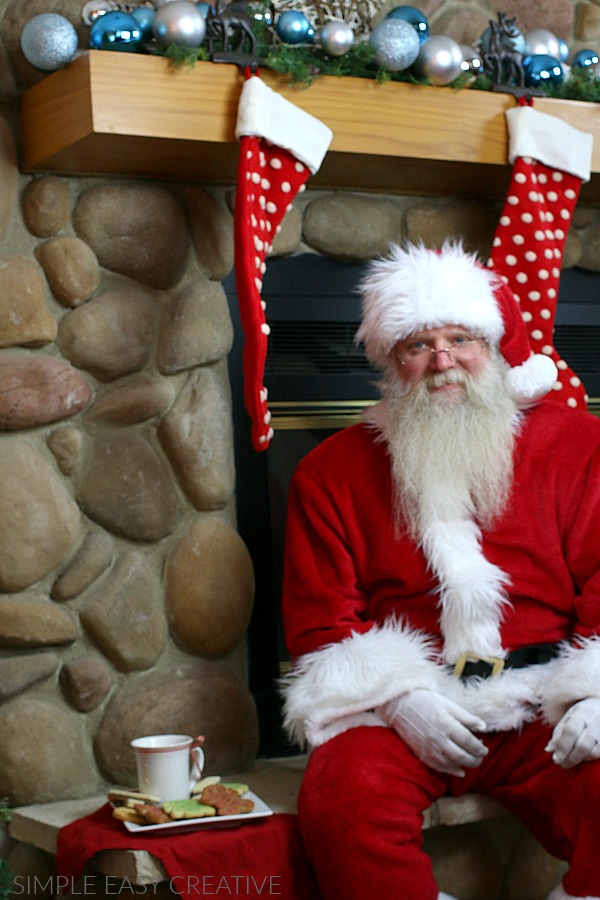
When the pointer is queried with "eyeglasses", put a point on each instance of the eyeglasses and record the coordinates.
(459, 349)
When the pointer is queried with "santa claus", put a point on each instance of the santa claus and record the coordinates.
(442, 590)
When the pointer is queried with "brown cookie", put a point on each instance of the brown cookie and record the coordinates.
(226, 801)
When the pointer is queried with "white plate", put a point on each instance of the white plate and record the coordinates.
(259, 812)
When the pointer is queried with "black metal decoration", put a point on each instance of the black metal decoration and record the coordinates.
(502, 62)
(230, 37)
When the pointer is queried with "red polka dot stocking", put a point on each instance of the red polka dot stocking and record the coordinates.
(528, 248)
(280, 145)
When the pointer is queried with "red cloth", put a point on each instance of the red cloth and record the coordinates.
(261, 858)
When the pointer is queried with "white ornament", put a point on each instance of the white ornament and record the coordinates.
(336, 38)
(49, 41)
(542, 41)
(396, 44)
(440, 60)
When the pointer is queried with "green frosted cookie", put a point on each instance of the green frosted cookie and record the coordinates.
(238, 787)
(187, 809)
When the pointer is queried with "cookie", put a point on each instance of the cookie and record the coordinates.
(226, 800)
(187, 809)
(204, 783)
(124, 814)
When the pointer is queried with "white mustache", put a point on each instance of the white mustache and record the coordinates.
(451, 376)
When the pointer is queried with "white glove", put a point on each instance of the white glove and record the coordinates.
(437, 730)
(576, 738)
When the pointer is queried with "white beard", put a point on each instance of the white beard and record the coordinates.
(451, 456)
(452, 466)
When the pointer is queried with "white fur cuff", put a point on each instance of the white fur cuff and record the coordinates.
(574, 676)
(337, 687)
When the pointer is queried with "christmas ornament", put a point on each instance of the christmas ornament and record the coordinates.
(280, 146)
(414, 17)
(584, 58)
(563, 50)
(93, 9)
(204, 8)
(472, 61)
(396, 44)
(540, 42)
(440, 60)
(260, 12)
(49, 41)
(542, 69)
(550, 160)
(292, 27)
(336, 38)
(116, 30)
(179, 22)
(144, 16)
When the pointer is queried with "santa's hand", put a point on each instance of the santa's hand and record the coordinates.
(437, 730)
(576, 738)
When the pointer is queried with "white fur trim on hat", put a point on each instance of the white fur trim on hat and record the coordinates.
(532, 379)
(416, 288)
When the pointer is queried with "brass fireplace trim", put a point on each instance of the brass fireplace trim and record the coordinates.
(336, 414)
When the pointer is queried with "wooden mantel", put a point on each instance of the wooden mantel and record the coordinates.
(112, 113)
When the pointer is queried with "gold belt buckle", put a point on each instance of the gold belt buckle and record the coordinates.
(496, 662)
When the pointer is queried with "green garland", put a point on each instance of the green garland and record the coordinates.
(304, 63)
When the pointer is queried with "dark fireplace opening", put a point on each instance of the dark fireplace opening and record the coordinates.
(318, 382)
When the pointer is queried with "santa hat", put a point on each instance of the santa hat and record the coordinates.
(415, 288)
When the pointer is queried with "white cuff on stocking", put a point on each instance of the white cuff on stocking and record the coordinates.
(550, 140)
(264, 113)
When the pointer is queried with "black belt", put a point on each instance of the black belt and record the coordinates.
(469, 665)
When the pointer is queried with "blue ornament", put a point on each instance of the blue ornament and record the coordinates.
(203, 8)
(49, 41)
(563, 50)
(292, 27)
(116, 31)
(584, 58)
(144, 16)
(541, 69)
(396, 44)
(414, 17)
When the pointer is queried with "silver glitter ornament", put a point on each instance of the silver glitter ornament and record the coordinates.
(396, 44)
(336, 38)
(179, 22)
(440, 60)
(49, 41)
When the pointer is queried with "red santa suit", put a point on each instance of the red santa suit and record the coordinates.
(362, 620)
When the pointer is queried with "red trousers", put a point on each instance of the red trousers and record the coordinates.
(364, 792)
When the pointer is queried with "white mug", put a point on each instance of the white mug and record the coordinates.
(168, 765)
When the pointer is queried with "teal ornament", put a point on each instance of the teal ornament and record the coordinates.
(584, 58)
(396, 44)
(414, 17)
(541, 69)
(563, 50)
(440, 60)
(292, 27)
(116, 30)
(204, 8)
(180, 23)
(49, 41)
(144, 16)
(336, 37)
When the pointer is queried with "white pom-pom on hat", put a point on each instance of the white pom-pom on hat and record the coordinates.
(415, 288)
